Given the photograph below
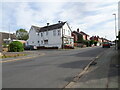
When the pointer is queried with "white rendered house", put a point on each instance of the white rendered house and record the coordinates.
(56, 35)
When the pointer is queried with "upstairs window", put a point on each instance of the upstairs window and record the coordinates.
(41, 34)
(59, 32)
(54, 32)
(68, 32)
(46, 32)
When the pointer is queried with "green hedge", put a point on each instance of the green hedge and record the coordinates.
(16, 46)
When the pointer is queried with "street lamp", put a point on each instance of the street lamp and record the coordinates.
(115, 32)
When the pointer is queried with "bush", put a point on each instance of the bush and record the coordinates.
(86, 42)
(16, 46)
(91, 42)
(95, 42)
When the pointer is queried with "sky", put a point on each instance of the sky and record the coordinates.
(93, 17)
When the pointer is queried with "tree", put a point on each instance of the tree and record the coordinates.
(95, 42)
(22, 34)
(16, 46)
(91, 42)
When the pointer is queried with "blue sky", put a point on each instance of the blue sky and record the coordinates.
(91, 16)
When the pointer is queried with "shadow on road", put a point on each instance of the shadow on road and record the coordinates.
(75, 64)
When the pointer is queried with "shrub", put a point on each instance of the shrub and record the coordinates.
(16, 46)
(95, 43)
(91, 42)
(86, 42)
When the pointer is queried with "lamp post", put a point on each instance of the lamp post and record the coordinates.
(115, 32)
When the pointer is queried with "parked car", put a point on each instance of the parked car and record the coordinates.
(106, 44)
(30, 47)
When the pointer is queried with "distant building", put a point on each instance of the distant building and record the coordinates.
(55, 35)
(6, 37)
(98, 39)
(85, 36)
(78, 37)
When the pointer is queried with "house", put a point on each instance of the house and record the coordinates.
(85, 36)
(78, 37)
(98, 39)
(6, 37)
(56, 35)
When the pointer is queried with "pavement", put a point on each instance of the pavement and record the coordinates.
(104, 74)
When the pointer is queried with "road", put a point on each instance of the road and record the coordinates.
(53, 70)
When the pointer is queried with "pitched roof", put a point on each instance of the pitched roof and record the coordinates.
(76, 33)
(84, 33)
(51, 27)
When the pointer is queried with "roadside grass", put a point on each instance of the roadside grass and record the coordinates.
(12, 55)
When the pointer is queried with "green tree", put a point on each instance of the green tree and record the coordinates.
(91, 42)
(16, 46)
(22, 34)
(95, 42)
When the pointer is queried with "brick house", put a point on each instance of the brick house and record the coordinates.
(85, 36)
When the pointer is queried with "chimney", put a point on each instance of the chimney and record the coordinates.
(78, 30)
(59, 21)
(48, 24)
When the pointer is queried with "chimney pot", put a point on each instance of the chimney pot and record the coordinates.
(48, 24)
(78, 30)
(59, 21)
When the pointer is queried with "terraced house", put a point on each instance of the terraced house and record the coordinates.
(56, 35)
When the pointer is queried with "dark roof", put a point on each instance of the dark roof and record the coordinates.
(51, 27)
(76, 33)
(84, 33)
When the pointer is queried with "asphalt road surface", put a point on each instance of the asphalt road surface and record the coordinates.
(53, 70)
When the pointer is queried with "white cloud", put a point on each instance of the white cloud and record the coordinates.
(82, 14)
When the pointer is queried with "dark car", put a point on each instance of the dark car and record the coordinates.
(106, 44)
(30, 47)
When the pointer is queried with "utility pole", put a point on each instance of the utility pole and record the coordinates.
(115, 32)
(62, 39)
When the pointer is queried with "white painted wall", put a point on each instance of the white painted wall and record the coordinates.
(33, 38)
(53, 40)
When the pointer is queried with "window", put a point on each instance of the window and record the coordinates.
(58, 32)
(64, 31)
(54, 32)
(38, 34)
(41, 34)
(68, 32)
(41, 42)
(45, 41)
(46, 32)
